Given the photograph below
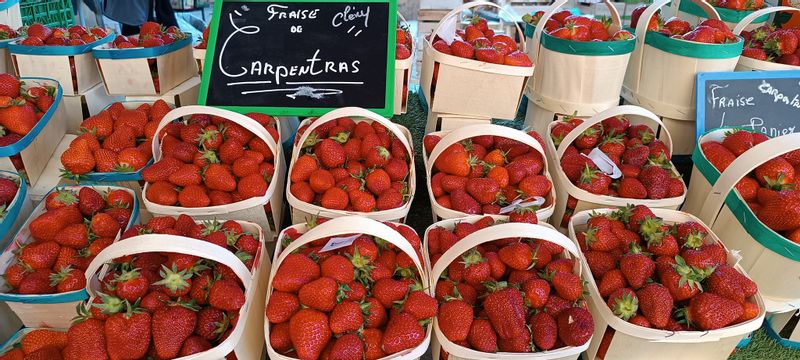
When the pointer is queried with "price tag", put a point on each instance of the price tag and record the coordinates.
(604, 163)
(534, 201)
(339, 242)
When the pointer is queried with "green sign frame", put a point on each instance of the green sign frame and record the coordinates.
(388, 108)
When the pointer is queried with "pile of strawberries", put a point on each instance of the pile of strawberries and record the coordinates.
(509, 295)
(354, 166)
(768, 43)
(404, 43)
(160, 305)
(664, 276)
(365, 300)
(151, 34)
(710, 31)
(75, 227)
(565, 25)
(738, 5)
(477, 41)
(485, 173)
(116, 139)
(8, 192)
(41, 35)
(37, 344)
(643, 161)
(21, 109)
(6, 32)
(209, 160)
(771, 190)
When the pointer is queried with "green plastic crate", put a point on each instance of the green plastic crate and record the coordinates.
(48, 12)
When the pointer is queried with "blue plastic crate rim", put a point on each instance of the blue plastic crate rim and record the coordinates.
(777, 337)
(26, 140)
(763, 235)
(105, 52)
(7, 4)
(725, 14)
(72, 296)
(17, 48)
(13, 209)
(118, 176)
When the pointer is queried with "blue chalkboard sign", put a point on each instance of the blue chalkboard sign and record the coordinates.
(765, 101)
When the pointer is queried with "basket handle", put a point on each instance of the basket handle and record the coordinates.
(459, 9)
(747, 20)
(481, 129)
(619, 110)
(240, 119)
(351, 111)
(742, 166)
(402, 18)
(616, 23)
(351, 225)
(497, 232)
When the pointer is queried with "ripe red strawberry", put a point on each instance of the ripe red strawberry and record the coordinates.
(482, 336)
(505, 308)
(781, 214)
(656, 303)
(86, 340)
(575, 326)
(171, 326)
(401, 333)
(623, 303)
(127, 334)
(707, 311)
(226, 295)
(717, 154)
(455, 318)
(544, 330)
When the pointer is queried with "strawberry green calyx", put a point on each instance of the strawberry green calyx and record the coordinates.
(779, 183)
(493, 286)
(172, 279)
(650, 228)
(383, 152)
(690, 275)
(623, 214)
(363, 267)
(311, 140)
(186, 304)
(210, 226)
(472, 257)
(587, 175)
(625, 307)
(341, 137)
(695, 239)
(110, 304)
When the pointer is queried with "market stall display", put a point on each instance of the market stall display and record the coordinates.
(731, 12)
(767, 47)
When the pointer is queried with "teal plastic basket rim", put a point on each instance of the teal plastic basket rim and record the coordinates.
(588, 48)
(725, 14)
(17, 48)
(103, 52)
(694, 49)
(7, 4)
(77, 295)
(765, 236)
(26, 140)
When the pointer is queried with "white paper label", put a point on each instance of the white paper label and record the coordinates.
(448, 30)
(339, 242)
(534, 201)
(604, 163)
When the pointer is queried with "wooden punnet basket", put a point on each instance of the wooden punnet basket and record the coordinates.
(10, 14)
(245, 340)
(344, 226)
(200, 58)
(402, 76)
(145, 71)
(300, 211)
(749, 64)
(453, 89)
(6, 64)
(596, 69)
(694, 14)
(449, 138)
(765, 254)
(266, 211)
(72, 66)
(17, 211)
(629, 341)
(545, 232)
(35, 149)
(784, 329)
(585, 199)
(49, 310)
(662, 70)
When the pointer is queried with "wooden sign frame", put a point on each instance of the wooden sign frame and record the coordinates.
(704, 77)
(388, 107)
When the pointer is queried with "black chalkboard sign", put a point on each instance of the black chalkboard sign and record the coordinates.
(300, 57)
(765, 101)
